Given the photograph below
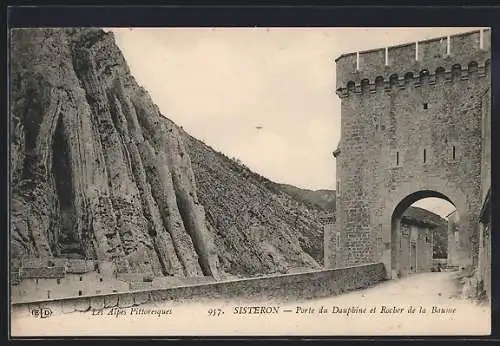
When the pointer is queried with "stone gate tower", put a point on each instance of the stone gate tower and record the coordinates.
(410, 129)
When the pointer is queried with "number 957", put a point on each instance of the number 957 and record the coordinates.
(215, 312)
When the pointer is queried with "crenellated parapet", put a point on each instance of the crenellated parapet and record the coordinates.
(434, 61)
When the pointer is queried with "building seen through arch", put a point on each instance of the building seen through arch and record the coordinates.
(422, 237)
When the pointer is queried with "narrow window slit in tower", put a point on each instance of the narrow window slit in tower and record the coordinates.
(425, 105)
(425, 156)
(397, 158)
(453, 153)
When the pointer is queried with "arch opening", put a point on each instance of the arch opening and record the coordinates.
(472, 67)
(393, 80)
(420, 232)
(456, 71)
(424, 76)
(350, 86)
(365, 85)
(408, 77)
(440, 73)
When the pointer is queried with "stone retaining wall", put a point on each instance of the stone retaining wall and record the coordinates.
(302, 286)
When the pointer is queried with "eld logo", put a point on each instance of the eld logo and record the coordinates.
(41, 312)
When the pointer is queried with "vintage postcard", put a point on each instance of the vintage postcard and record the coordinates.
(250, 181)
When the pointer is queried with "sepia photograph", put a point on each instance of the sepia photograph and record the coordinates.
(251, 181)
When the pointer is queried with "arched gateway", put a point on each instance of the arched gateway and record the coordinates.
(411, 119)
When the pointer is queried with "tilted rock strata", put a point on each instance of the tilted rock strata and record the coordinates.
(93, 168)
(97, 172)
(256, 228)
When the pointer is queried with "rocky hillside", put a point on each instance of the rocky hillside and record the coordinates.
(97, 172)
(322, 199)
(257, 227)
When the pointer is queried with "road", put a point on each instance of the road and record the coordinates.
(398, 307)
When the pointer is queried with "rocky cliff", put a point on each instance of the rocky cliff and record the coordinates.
(98, 172)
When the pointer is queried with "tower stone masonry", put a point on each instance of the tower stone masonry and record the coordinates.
(410, 129)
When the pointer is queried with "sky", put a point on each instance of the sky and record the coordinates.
(263, 95)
